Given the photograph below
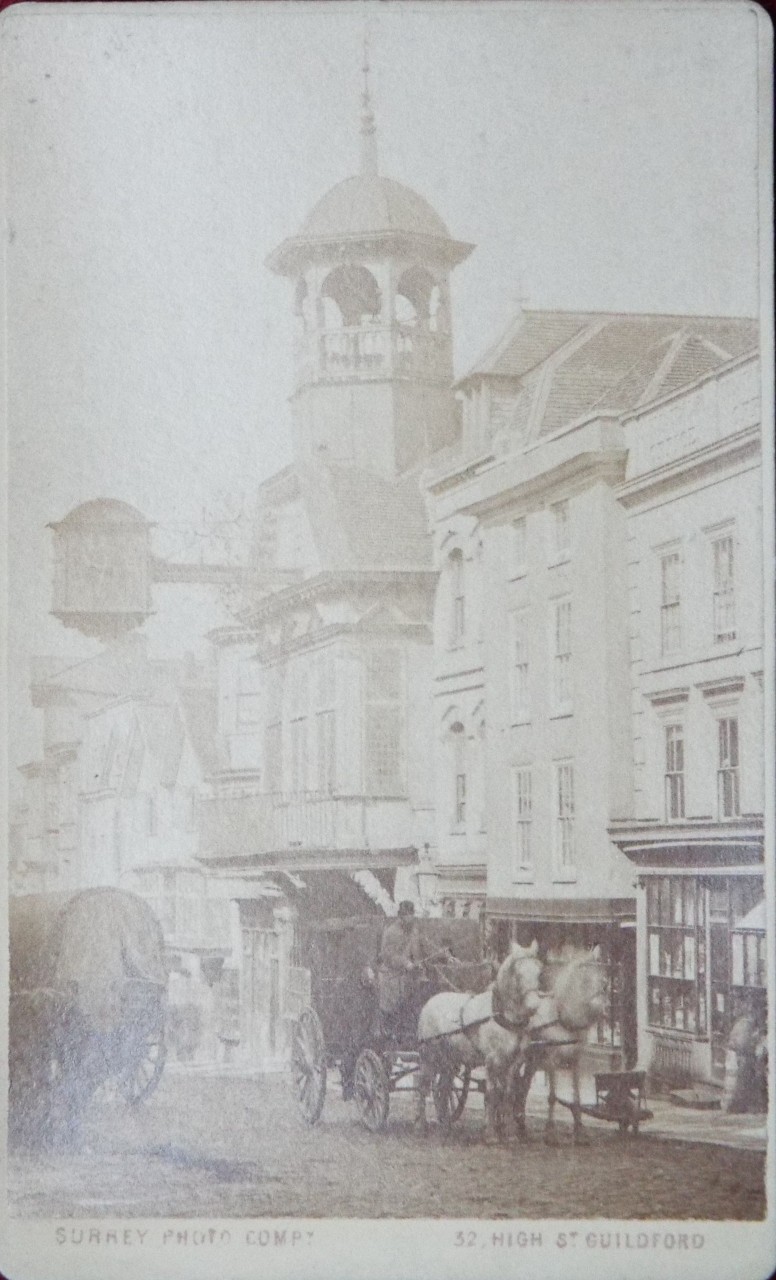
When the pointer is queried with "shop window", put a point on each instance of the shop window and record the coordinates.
(749, 960)
(676, 959)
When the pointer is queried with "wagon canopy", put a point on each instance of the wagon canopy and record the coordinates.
(88, 946)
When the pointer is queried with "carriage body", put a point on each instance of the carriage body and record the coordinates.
(343, 1026)
(87, 1002)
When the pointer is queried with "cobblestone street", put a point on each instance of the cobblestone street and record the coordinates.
(235, 1147)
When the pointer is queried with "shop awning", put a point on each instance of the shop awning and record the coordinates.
(753, 921)
(563, 910)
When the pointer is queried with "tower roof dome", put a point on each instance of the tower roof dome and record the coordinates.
(368, 210)
(369, 204)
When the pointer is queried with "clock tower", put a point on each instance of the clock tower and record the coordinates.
(371, 269)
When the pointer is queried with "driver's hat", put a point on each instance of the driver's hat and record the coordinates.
(406, 908)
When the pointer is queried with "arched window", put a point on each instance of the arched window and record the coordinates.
(350, 297)
(413, 297)
(457, 598)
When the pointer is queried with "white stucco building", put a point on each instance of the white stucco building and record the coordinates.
(692, 494)
(533, 658)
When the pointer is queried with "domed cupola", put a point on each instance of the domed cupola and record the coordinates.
(373, 350)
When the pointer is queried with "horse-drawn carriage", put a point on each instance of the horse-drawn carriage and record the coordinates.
(457, 1031)
(345, 1027)
(87, 1004)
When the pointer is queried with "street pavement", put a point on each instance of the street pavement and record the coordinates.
(231, 1146)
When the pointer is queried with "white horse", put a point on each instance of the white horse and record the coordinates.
(458, 1030)
(575, 986)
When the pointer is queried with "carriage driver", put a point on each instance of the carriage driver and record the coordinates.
(401, 959)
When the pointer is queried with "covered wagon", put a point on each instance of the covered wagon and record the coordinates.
(87, 1003)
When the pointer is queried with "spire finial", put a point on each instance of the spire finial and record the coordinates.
(368, 130)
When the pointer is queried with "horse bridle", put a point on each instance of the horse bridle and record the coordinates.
(499, 1016)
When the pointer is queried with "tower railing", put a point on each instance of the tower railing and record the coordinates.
(373, 351)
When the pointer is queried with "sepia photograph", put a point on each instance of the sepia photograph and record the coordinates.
(388, 604)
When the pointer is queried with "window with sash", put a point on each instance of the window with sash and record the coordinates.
(561, 530)
(519, 546)
(249, 678)
(273, 756)
(728, 795)
(384, 764)
(520, 685)
(326, 721)
(724, 589)
(565, 842)
(674, 771)
(670, 603)
(523, 851)
(299, 777)
(561, 648)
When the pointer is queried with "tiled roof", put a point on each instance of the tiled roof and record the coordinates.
(566, 365)
(360, 520)
(528, 341)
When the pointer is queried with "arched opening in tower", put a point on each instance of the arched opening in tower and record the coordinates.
(350, 296)
(418, 298)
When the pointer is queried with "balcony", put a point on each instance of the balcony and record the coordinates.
(373, 351)
(291, 828)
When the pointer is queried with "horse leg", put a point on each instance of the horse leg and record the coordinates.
(521, 1083)
(550, 1136)
(581, 1138)
(425, 1074)
(491, 1104)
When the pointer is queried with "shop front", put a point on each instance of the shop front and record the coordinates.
(700, 967)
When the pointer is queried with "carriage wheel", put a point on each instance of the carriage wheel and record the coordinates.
(371, 1089)
(139, 1082)
(308, 1065)
(450, 1089)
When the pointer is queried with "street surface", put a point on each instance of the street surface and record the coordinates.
(206, 1146)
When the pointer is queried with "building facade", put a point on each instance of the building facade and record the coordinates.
(692, 494)
(533, 658)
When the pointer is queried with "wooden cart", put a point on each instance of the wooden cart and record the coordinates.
(87, 1004)
(340, 1028)
(620, 1097)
